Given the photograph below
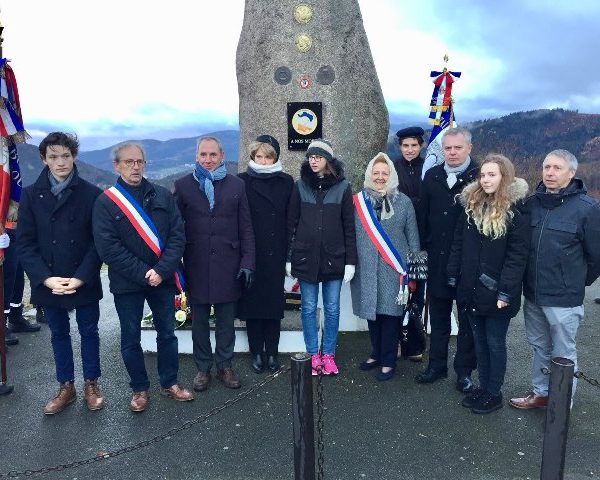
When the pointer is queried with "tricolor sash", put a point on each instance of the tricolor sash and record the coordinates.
(142, 224)
(381, 242)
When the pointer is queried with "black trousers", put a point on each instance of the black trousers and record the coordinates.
(440, 310)
(263, 335)
(384, 332)
(224, 335)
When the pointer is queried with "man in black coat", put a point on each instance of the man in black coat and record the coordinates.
(440, 212)
(564, 259)
(219, 257)
(56, 249)
(139, 235)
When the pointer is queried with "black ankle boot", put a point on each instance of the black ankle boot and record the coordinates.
(273, 363)
(18, 323)
(257, 363)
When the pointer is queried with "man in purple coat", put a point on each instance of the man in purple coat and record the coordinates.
(218, 259)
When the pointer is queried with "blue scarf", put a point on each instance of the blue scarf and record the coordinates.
(206, 179)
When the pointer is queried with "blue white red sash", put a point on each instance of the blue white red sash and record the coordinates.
(142, 224)
(381, 242)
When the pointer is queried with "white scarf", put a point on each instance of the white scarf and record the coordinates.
(274, 168)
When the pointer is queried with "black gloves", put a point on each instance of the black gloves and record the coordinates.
(248, 276)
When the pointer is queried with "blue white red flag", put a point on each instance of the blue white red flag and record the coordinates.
(441, 115)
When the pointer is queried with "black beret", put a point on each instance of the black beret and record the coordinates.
(271, 141)
(410, 132)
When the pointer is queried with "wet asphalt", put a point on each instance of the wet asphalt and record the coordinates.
(373, 430)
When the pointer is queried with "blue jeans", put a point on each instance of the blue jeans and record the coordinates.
(489, 335)
(130, 308)
(309, 294)
(87, 317)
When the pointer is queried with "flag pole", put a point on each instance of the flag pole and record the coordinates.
(4, 388)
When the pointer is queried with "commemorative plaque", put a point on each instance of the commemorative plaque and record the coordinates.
(305, 124)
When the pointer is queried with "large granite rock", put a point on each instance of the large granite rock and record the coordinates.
(286, 45)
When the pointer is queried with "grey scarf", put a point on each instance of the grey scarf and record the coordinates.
(453, 172)
(57, 187)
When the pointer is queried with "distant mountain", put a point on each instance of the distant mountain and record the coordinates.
(31, 165)
(168, 157)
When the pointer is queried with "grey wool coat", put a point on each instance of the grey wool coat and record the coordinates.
(375, 284)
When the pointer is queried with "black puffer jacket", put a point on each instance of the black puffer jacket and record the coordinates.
(485, 269)
(321, 232)
(565, 246)
(123, 250)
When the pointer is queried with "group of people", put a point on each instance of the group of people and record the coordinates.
(230, 240)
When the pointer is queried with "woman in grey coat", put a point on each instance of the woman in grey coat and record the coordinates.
(377, 293)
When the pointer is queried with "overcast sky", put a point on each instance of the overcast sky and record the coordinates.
(114, 70)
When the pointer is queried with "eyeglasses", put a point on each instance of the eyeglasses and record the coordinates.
(315, 158)
(130, 163)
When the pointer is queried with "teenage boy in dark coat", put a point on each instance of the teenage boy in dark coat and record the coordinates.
(56, 249)
(440, 212)
(409, 167)
(137, 273)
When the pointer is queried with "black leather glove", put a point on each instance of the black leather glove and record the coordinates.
(248, 276)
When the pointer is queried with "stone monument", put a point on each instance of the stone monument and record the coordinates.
(305, 68)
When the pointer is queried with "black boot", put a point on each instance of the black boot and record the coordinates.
(9, 337)
(257, 363)
(273, 363)
(18, 323)
(39, 315)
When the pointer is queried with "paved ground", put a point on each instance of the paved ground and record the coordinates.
(373, 430)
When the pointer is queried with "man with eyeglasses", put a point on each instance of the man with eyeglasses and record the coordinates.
(139, 235)
(56, 249)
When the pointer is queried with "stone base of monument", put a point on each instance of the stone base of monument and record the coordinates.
(291, 339)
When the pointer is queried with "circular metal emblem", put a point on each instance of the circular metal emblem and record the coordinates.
(326, 75)
(302, 13)
(304, 81)
(304, 121)
(283, 75)
(303, 42)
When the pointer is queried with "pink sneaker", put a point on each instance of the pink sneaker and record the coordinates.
(329, 366)
(316, 363)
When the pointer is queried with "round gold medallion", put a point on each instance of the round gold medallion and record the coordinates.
(302, 13)
(303, 42)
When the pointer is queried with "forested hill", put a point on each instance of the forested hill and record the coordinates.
(527, 137)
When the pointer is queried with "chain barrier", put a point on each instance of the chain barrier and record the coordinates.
(578, 375)
(102, 455)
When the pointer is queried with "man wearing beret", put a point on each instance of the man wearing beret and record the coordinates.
(409, 167)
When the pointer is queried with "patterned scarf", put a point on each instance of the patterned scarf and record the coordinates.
(205, 180)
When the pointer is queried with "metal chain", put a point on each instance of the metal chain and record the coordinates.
(157, 438)
(579, 374)
(591, 381)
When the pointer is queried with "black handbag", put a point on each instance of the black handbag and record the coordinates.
(413, 339)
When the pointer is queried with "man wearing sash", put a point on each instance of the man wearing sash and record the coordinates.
(139, 235)
(56, 249)
(440, 212)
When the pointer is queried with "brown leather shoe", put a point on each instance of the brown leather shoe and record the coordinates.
(528, 402)
(139, 401)
(92, 395)
(177, 393)
(201, 381)
(65, 396)
(229, 378)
